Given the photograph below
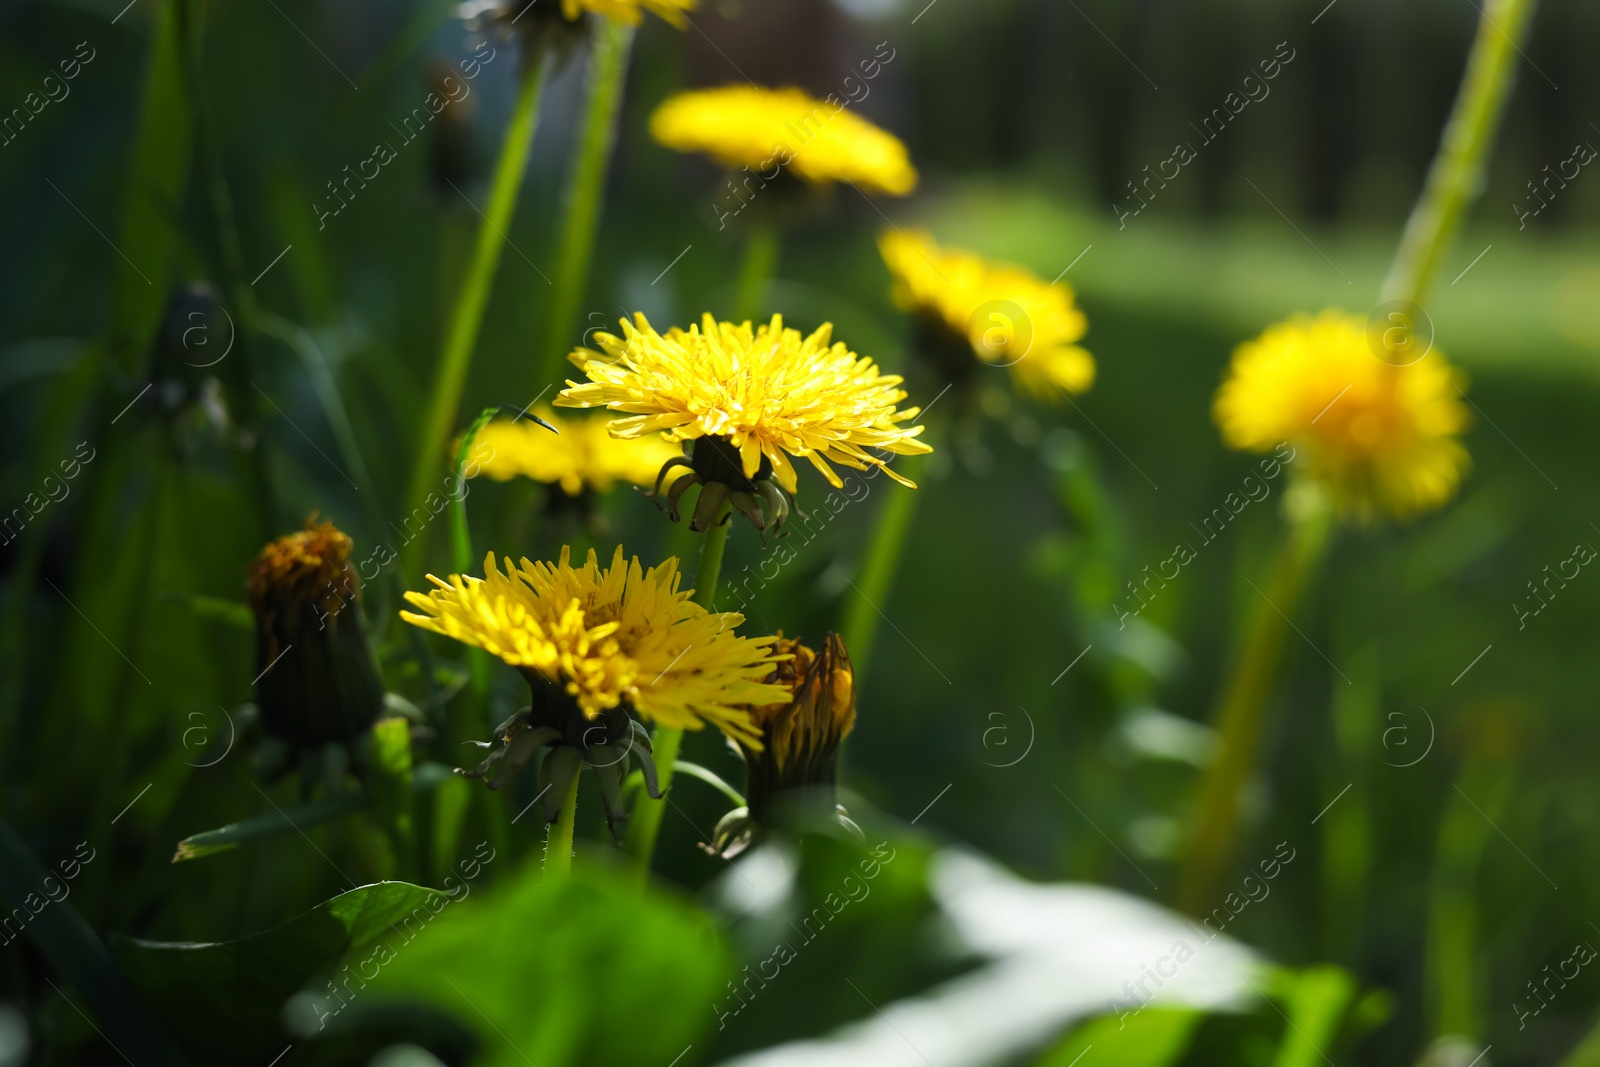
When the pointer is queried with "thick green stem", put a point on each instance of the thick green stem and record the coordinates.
(875, 580)
(645, 826)
(586, 183)
(1214, 824)
(558, 848)
(1456, 176)
(467, 316)
(709, 571)
(755, 273)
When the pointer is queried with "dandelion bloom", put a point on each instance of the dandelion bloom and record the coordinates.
(630, 11)
(818, 140)
(1382, 437)
(1007, 315)
(609, 638)
(581, 455)
(769, 393)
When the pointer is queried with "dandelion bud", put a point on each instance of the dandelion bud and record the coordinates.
(791, 779)
(317, 683)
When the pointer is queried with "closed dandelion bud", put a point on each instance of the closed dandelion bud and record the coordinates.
(318, 685)
(791, 779)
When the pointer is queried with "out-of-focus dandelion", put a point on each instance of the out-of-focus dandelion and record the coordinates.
(1004, 315)
(781, 144)
(581, 456)
(749, 399)
(818, 141)
(1381, 437)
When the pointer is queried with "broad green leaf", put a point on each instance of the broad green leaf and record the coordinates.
(580, 970)
(223, 999)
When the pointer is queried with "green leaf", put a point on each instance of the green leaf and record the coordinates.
(1154, 1037)
(1316, 1000)
(156, 177)
(223, 1000)
(580, 970)
(292, 819)
(233, 612)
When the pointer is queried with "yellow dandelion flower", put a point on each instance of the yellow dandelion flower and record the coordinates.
(819, 140)
(621, 636)
(630, 11)
(1007, 315)
(580, 455)
(1381, 437)
(769, 393)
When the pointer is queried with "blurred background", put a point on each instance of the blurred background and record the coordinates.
(1430, 757)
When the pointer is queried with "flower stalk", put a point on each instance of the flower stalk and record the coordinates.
(875, 580)
(1242, 710)
(558, 846)
(1456, 175)
(613, 43)
(466, 318)
(645, 825)
(761, 250)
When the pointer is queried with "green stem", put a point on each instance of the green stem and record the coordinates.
(875, 579)
(760, 260)
(467, 316)
(586, 182)
(1214, 824)
(1456, 176)
(709, 571)
(558, 849)
(645, 825)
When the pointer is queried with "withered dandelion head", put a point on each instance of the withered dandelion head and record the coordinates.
(317, 684)
(819, 141)
(749, 399)
(1002, 314)
(1381, 437)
